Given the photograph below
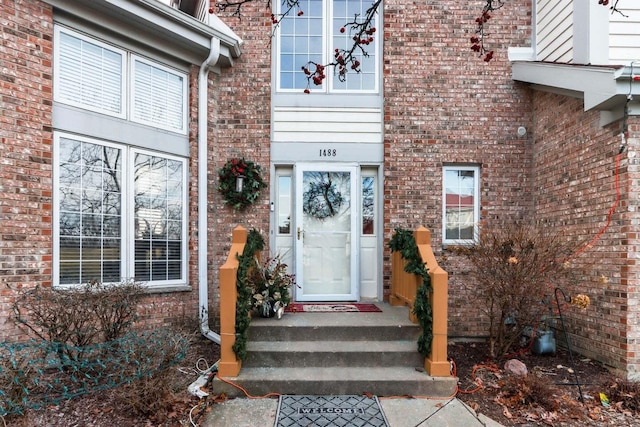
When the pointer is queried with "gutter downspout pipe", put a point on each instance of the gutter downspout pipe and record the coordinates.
(203, 242)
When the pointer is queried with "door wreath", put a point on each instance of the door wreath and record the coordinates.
(322, 200)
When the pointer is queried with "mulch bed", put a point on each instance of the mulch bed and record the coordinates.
(548, 396)
(545, 399)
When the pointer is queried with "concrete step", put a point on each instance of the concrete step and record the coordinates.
(333, 353)
(380, 381)
(336, 353)
(260, 331)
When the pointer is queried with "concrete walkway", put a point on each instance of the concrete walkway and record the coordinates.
(243, 412)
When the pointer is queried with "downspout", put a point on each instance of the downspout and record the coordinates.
(203, 242)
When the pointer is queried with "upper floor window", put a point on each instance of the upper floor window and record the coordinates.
(313, 37)
(461, 204)
(89, 74)
(92, 75)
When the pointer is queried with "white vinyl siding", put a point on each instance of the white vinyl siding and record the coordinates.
(158, 96)
(624, 34)
(89, 74)
(554, 30)
(342, 125)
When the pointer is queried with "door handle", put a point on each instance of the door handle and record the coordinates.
(300, 231)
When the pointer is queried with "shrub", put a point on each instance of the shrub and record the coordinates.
(74, 318)
(514, 272)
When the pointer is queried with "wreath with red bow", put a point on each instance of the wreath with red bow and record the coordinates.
(253, 183)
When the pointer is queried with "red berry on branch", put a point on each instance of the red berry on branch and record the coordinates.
(474, 39)
(300, 13)
(307, 91)
(211, 10)
(342, 30)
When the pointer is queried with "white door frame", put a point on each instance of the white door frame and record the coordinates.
(352, 239)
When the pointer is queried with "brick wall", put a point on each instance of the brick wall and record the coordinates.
(575, 164)
(443, 104)
(26, 170)
(25, 151)
(239, 126)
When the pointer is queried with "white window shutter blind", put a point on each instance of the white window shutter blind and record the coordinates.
(90, 75)
(159, 97)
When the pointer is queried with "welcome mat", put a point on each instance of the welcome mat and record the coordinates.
(330, 411)
(324, 308)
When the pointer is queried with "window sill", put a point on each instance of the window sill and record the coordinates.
(161, 289)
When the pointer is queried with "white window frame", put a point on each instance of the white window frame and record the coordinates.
(59, 96)
(476, 204)
(130, 215)
(127, 244)
(129, 60)
(327, 56)
(183, 109)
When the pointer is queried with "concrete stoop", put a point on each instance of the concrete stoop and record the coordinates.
(336, 353)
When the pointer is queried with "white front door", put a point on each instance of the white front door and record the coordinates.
(326, 232)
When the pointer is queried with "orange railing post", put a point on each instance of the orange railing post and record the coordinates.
(436, 363)
(403, 292)
(229, 365)
(403, 285)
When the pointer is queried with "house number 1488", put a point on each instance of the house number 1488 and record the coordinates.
(328, 153)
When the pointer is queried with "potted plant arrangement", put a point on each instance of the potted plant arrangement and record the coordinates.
(271, 284)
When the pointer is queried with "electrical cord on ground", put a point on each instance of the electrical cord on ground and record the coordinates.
(246, 393)
(590, 244)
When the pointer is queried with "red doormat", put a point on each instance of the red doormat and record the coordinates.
(333, 308)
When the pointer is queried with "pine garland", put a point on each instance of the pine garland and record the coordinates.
(404, 242)
(255, 244)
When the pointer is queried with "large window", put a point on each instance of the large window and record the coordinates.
(314, 36)
(461, 204)
(102, 234)
(90, 74)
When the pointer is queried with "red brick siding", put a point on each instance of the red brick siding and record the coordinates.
(26, 183)
(443, 104)
(240, 126)
(575, 164)
(25, 152)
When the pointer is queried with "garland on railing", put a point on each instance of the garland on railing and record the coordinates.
(404, 242)
(255, 244)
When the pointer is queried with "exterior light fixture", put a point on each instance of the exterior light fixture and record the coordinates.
(239, 183)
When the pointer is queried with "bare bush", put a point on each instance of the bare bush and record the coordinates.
(514, 271)
(152, 395)
(76, 317)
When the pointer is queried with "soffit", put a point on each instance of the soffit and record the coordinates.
(157, 25)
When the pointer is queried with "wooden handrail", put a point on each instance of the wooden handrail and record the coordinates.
(229, 365)
(403, 292)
